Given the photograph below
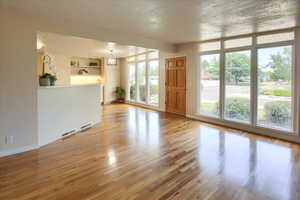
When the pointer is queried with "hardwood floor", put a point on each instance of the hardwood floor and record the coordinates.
(141, 154)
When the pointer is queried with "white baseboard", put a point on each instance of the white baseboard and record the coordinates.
(145, 106)
(18, 150)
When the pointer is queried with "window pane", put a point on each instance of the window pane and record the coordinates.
(153, 82)
(209, 84)
(274, 103)
(142, 82)
(141, 57)
(132, 83)
(237, 86)
(130, 59)
(240, 42)
(153, 55)
(210, 46)
(279, 37)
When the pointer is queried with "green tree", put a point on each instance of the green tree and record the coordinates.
(281, 65)
(211, 67)
(237, 66)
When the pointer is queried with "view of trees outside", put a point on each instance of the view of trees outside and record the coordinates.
(132, 83)
(210, 84)
(237, 86)
(153, 75)
(275, 87)
(141, 78)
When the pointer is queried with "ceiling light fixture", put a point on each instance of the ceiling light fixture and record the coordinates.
(112, 59)
(39, 44)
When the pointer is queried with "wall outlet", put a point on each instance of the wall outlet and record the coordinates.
(9, 139)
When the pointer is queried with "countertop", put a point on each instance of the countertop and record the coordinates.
(68, 86)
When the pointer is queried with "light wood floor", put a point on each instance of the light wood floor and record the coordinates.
(141, 154)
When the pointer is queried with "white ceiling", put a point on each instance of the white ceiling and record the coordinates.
(81, 47)
(174, 21)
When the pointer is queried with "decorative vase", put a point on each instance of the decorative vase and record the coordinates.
(52, 82)
(44, 82)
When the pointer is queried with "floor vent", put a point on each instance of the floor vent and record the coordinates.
(85, 127)
(68, 133)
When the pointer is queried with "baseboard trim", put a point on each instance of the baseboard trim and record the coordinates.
(247, 128)
(144, 106)
(18, 150)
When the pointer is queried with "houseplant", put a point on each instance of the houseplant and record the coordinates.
(47, 79)
(120, 92)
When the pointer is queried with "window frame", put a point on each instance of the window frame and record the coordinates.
(232, 50)
(253, 125)
(147, 60)
(135, 78)
(199, 85)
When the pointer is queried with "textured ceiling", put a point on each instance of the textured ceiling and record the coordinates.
(81, 47)
(174, 21)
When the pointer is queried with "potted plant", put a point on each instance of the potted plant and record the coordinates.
(120, 92)
(47, 79)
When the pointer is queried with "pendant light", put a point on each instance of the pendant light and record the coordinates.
(112, 60)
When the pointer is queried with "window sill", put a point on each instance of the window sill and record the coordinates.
(280, 134)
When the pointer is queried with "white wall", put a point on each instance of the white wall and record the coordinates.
(62, 64)
(18, 72)
(112, 80)
(191, 53)
(18, 82)
(71, 108)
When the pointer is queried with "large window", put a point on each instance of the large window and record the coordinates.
(153, 82)
(274, 101)
(143, 80)
(249, 80)
(141, 77)
(210, 84)
(131, 81)
(237, 86)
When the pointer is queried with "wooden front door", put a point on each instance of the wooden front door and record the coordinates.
(176, 85)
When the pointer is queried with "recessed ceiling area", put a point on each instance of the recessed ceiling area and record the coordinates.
(82, 47)
(173, 21)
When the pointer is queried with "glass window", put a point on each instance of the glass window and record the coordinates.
(153, 55)
(240, 42)
(153, 76)
(131, 59)
(141, 57)
(278, 37)
(210, 46)
(237, 86)
(210, 84)
(274, 75)
(141, 78)
(132, 82)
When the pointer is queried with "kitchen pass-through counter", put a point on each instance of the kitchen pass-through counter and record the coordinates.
(64, 110)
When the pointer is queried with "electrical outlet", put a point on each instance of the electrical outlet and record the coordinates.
(9, 139)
